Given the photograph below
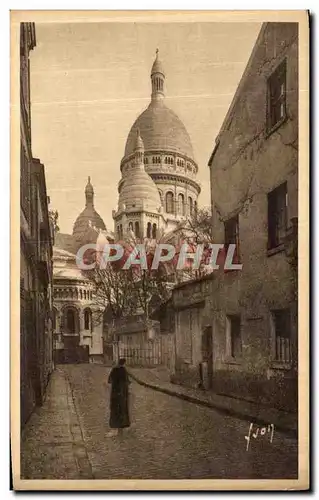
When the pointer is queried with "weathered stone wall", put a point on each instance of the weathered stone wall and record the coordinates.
(249, 163)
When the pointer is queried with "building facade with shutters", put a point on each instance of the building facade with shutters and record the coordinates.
(247, 321)
(36, 240)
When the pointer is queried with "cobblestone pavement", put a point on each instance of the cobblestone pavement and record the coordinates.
(52, 445)
(171, 438)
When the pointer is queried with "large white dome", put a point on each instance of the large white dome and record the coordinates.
(161, 130)
(138, 186)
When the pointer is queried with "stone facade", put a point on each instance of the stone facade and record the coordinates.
(252, 314)
(36, 238)
(78, 321)
(169, 164)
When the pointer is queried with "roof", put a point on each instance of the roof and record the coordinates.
(157, 66)
(87, 218)
(65, 242)
(138, 186)
(239, 89)
(160, 129)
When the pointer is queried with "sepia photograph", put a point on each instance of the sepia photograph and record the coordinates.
(159, 335)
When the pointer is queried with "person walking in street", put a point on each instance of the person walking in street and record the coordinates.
(119, 401)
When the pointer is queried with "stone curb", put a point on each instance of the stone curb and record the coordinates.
(286, 429)
(81, 457)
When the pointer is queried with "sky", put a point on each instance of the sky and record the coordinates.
(90, 81)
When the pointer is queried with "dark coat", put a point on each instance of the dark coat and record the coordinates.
(119, 414)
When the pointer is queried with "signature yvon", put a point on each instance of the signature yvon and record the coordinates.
(262, 431)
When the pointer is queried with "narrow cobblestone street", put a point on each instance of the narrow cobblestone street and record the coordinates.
(169, 438)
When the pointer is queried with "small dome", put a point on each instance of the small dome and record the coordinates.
(89, 187)
(157, 66)
(138, 186)
(88, 218)
(160, 129)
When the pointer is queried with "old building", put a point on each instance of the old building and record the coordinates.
(36, 237)
(155, 198)
(157, 191)
(77, 319)
(246, 328)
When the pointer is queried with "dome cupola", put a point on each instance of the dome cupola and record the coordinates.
(137, 189)
(89, 194)
(157, 77)
(89, 217)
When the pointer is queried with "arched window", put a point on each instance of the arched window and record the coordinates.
(169, 203)
(181, 206)
(87, 319)
(137, 229)
(154, 231)
(130, 226)
(165, 160)
(149, 230)
(70, 321)
(195, 207)
(81, 294)
(190, 205)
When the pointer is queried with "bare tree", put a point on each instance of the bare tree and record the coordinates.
(133, 291)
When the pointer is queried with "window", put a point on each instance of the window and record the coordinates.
(149, 230)
(137, 229)
(276, 96)
(277, 215)
(169, 203)
(233, 341)
(190, 205)
(154, 231)
(181, 206)
(231, 227)
(70, 321)
(282, 331)
(87, 319)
